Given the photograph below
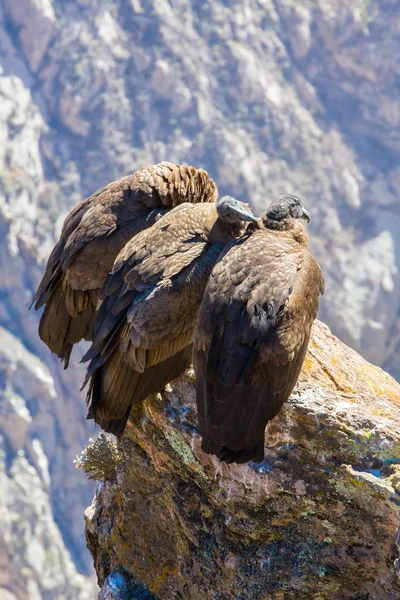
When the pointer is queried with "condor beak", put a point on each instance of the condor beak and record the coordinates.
(233, 210)
(246, 215)
(305, 215)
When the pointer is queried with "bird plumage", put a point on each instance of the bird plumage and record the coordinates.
(144, 328)
(252, 334)
(93, 234)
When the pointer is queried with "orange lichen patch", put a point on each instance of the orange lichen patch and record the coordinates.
(161, 578)
(313, 371)
(366, 372)
(393, 397)
(379, 382)
(380, 412)
(327, 373)
(308, 365)
(159, 573)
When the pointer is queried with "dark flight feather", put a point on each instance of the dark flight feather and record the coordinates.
(251, 336)
(150, 299)
(93, 234)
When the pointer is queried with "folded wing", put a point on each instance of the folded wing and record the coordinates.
(250, 340)
(144, 329)
(93, 234)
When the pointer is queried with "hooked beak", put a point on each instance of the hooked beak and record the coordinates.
(305, 215)
(246, 215)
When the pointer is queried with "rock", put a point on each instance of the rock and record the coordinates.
(270, 97)
(6, 595)
(37, 26)
(119, 586)
(42, 415)
(316, 519)
(34, 561)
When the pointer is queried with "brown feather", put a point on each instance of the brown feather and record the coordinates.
(93, 234)
(251, 338)
(111, 403)
(150, 301)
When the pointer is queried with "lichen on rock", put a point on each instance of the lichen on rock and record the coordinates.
(316, 519)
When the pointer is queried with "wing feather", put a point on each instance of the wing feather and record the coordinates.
(93, 234)
(150, 301)
(250, 340)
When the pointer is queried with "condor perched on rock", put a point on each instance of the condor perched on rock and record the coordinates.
(93, 234)
(253, 331)
(143, 332)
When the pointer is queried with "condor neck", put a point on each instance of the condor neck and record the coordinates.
(292, 226)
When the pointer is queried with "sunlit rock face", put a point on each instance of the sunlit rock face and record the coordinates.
(42, 415)
(270, 97)
(40, 524)
(318, 518)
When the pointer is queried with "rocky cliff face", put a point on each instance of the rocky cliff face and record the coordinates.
(268, 96)
(316, 519)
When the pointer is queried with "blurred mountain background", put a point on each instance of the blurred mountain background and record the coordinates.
(269, 96)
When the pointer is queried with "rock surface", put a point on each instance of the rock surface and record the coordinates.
(41, 496)
(316, 519)
(269, 97)
(43, 553)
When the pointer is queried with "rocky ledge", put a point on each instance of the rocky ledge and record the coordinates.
(316, 520)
